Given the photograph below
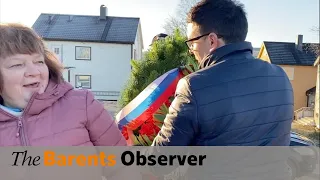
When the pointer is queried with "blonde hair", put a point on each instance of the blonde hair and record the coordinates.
(20, 39)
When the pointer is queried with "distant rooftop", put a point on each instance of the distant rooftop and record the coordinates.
(102, 28)
(291, 53)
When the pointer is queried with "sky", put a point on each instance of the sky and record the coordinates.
(269, 20)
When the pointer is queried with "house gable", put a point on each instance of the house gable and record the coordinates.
(138, 45)
(139, 33)
(263, 54)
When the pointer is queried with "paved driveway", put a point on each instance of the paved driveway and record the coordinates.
(111, 106)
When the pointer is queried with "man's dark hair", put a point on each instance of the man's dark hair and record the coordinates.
(223, 17)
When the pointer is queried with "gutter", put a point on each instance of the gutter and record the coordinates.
(88, 41)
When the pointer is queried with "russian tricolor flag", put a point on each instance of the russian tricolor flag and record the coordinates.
(149, 100)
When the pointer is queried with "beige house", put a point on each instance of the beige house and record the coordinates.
(317, 101)
(298, 62)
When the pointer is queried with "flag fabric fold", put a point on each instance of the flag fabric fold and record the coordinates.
(141, 119)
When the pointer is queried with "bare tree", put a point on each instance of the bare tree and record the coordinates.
(315, 47)
(315, 29)
(178, 21)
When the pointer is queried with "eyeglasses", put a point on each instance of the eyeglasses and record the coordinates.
(189, 42)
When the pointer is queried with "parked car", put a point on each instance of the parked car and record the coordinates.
(304, 156)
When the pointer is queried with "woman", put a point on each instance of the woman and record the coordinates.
(37, 107)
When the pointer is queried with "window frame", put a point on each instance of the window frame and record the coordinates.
(83, 59)
(56, 48)
(76, 81)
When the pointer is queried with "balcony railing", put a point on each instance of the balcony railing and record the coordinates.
(303, 112)
(106, 93)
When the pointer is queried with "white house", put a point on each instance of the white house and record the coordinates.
(95, 50)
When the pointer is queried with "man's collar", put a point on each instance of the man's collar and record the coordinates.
(226, 50)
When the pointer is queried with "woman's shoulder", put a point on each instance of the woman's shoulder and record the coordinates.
(69, 91)
(78, 93)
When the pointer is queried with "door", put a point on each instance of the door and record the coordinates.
(311, 100)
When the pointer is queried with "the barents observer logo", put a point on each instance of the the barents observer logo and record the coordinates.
(128, 158)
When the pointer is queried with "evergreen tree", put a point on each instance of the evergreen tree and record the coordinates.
(163, 56)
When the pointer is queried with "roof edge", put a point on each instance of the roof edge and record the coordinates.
(266, 49)
(305, 43)
(317, 61)
(313, 89)
(81, 15)
(262, 47)
(75, 40)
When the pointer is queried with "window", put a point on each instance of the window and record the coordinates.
(290, 72)
(57, 51)
(83, 81)
(83, 53)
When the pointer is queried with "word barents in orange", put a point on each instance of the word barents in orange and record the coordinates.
(50, 158)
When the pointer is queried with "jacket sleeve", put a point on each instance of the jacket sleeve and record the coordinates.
(180, 124)
(101, 126)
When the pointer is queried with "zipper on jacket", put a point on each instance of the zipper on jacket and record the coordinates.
(21, 133)
(19, 128)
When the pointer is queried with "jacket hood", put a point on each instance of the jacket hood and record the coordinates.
(39, 102)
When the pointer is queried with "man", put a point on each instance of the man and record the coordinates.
(234, 99)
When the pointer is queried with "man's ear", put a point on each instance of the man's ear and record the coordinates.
(213, 40)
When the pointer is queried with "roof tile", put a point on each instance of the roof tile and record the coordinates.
(285, 53)
(87, 28)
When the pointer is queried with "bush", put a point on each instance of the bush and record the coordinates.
(163, 55)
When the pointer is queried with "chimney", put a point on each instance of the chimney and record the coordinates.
(299, 42)
(50, 18)
(103, 12)
(70, 18)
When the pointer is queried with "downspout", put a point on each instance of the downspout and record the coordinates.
(131, 55)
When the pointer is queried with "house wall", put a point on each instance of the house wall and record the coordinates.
(302, 79)
(265, 57)
(137, 47)
(109, 66)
